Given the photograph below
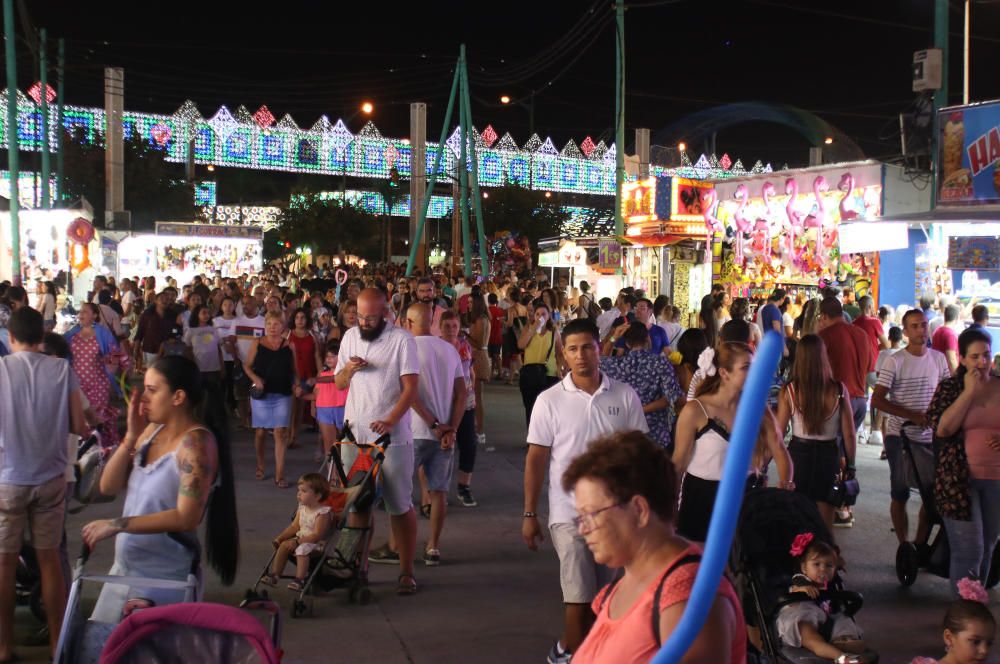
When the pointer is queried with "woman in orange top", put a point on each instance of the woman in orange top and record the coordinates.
(625, 491)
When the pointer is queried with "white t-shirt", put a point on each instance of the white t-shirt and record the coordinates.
(128, 298)
(204, 342)
(883, 355)
(911, 381)
(674, 332)
(440, 365)
(605, 320)
(246, 330)
(567, 419)
(375, 389)
(225, 328)
(787, 321)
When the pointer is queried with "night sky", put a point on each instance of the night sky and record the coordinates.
(848, 62)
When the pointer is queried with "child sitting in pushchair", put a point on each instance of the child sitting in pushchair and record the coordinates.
(306, 532)
(804, 624)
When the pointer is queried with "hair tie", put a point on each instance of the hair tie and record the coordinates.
(706, 362)
(971, 589)
(801, 542)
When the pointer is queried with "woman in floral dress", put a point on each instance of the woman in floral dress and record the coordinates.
(95, 355)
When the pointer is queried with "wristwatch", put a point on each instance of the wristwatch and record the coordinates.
(530, 515)
(435, 425)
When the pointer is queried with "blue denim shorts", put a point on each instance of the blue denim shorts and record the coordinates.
(901, 471)
(438, 464)
(331, 415)
(274, 411)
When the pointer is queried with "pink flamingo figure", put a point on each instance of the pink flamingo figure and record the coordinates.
(713, 223)
(818, 220)
(762, 226)
(847, 186)
(795, 226)
(742, 223)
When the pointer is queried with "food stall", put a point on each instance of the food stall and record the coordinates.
(183, 250)
(581, 260)
(668, 241)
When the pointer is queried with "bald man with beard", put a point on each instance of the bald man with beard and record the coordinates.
(380, 365)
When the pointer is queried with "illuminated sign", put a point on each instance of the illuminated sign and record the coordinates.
(657, 210)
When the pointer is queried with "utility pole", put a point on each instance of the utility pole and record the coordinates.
(43, 63)
(60, 100)
(965, 53)
(941, 95)
(620, 114)
(10, 52)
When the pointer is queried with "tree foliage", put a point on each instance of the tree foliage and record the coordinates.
(154, 188)
(524, 211)
(329, 227)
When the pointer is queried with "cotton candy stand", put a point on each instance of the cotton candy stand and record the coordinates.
(728, 500)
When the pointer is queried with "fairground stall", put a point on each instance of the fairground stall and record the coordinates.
(183, 250)
(61, 246)
(589, 259)
(667, 239)
(784, 229)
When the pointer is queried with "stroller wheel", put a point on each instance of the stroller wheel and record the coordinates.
(907, 563)
(364, 595)
(35, 602)
(298, 608)
(251, 595)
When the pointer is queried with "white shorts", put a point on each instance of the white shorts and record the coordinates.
(396, 477)
(579, 575)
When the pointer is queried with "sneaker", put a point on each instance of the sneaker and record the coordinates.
(466, 498)
(876, 438)
(843, 520)
(559, 656)
(481, 440)
(383, 556)
(432, 557)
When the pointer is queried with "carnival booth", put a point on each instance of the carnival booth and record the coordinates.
(183, 250)
(56, 245)
(667, 238)
(591, 259)
(788, 229)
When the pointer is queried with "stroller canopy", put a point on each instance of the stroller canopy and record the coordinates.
(217, 632)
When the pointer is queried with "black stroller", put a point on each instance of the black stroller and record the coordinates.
(344, 559)
(769, 521)
(933, 554)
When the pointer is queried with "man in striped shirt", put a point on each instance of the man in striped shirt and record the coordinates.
(904, 390)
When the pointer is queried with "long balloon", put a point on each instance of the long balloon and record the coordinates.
(728, 501)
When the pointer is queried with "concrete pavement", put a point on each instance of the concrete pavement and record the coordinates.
(492, 600)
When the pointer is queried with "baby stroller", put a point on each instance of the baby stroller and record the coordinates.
(216, 632)
(933, 554)
(81, 639)
(760, 559)
(344, 563)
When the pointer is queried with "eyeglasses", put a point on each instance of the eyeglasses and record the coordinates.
(587, 522)
(370, 319)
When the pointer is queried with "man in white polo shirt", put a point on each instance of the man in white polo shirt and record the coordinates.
(584, 406)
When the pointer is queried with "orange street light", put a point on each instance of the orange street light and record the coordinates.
(548, 194)
(505, 99)
(828, 140)
(682, 146)
(367, 108)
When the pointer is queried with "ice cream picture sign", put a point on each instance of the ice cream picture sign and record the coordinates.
(969, 155)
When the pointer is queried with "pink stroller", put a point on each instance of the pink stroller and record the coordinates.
(218, 633)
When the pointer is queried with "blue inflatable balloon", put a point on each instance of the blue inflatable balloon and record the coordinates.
(728, 500)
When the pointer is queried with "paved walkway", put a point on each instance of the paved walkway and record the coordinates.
(492, 600)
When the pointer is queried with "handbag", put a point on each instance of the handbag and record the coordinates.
(255, 391)
(844, 492)
(537, 373)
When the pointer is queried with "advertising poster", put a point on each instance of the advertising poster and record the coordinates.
(969, 155)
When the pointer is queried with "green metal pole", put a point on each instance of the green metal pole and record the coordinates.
(619, 114)
(941, 95)
(10, 52)
(60, 160)
(464, 131)
(433, 175)
(43, 63)
(477, 198)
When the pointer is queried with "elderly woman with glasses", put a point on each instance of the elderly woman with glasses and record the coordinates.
(625, 490)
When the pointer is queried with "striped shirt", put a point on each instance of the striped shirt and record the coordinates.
(911, 381)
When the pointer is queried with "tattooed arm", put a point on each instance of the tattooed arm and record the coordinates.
(197, 461)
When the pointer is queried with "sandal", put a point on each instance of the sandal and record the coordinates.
(281, 484)
(259, 474)
(297, 585)
(404, 587)
(269, 580)
(425, 510)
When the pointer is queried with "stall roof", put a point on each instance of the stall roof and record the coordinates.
(984, 213)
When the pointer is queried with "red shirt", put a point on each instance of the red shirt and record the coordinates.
(305, 354)
(944, 339)
(873, 329)
(850, 355)
(497, 317)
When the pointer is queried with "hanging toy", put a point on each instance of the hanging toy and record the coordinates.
(341, 278)
(709, 205)
(742, 223)
(818, 220)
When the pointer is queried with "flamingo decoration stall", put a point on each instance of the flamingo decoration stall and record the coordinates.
(713, 223)
(819, 219)
(762, 226)
(794, 217)
(742, 223)
(847, 186)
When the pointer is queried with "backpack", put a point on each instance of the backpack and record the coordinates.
(591, 307)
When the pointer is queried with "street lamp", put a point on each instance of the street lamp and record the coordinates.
(367, 108)
(828, 140)
(504, 99)
(682, 146)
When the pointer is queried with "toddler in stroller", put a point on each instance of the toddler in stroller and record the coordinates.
(305, 534)
(805, 623)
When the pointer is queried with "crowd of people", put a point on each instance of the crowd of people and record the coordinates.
(628, 405)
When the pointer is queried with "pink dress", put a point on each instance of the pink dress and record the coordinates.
(89, 367)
